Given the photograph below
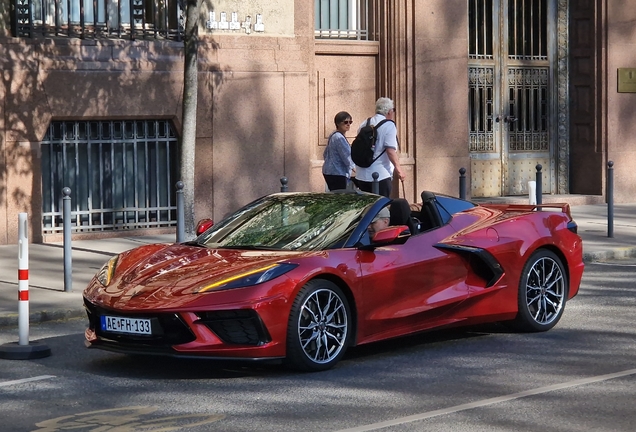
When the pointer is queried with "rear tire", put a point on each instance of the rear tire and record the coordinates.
(543, 290)
(319, 328)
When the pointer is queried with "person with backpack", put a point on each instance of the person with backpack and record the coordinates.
(375, 149)
(337, 155)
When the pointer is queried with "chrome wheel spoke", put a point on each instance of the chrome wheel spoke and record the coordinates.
(545, 290)
(323, 326)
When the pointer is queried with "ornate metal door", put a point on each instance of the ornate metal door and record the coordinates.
(511, 95)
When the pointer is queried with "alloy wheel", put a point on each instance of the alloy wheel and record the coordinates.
(323, 326)
(545, 290)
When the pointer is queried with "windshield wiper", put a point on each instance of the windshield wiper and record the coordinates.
(193, 243)
(245, 247)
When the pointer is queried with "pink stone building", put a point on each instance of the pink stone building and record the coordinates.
(91, 98)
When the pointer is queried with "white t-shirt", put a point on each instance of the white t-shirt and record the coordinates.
(386, 138)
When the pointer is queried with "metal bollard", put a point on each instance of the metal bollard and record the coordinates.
(610, 199)
(462, 183)
(180, 213)
(283, 184)
(539, 186)
(23, 349)
(375, 186)
(68, 249)
(23, 279)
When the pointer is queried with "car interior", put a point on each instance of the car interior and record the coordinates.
(400, 211)
(429, 215)
(418, 217)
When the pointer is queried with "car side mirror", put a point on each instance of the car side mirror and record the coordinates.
(203, 225)
(397, 234)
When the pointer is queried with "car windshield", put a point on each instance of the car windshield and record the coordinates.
(290, 222)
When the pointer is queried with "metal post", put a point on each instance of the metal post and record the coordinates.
(23, 280)
(23, 350)
(375, 186)
(283, 184)
(610, 199)
(180, 213)
(462, 183)
(68, 251)
(539, 185)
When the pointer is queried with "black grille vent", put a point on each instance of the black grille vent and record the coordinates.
(168, 329)
(240, 327)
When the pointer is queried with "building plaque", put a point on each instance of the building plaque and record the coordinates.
(627, 80)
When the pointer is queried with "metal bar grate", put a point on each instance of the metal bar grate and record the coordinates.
(480, 109)
(528, 102)
(527, 29)
(120, 174)
(480, 29)
(22, 22)
(91, 19)
(342, 19)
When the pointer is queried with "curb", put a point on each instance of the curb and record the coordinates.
(11, 320)
(616, 253)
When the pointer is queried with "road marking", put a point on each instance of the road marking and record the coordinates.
(613, 264)
(491, 401)
(25, 380)
(126, 419)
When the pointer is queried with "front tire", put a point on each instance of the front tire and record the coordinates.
(319, 327)
(543, 292)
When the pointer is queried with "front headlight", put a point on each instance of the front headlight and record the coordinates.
(106, 273)
(249, 278)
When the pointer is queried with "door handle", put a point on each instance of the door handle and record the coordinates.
(506, 119)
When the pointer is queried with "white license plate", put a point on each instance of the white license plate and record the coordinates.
(126, 325)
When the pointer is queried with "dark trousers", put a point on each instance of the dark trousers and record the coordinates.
(335, 182)
(384, 186)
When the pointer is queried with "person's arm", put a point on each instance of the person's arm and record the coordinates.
(395, 160)
(344, 151)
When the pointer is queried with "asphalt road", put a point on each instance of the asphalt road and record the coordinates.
(580, 376)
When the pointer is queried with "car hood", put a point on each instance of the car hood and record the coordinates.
(180, 269)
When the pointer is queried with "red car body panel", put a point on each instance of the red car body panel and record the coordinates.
(393, 290)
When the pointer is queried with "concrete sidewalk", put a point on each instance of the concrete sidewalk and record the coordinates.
(49, 301)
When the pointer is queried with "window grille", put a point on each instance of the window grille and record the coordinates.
(342, 19)
(122, 175)
(480, 109)
(527, 34)
(131, 19)
(528, 102)
(527, 29)
(480, 29)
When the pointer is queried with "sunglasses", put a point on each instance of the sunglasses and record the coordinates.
(348, 122)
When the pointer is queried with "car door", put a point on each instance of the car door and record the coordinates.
(409, 287)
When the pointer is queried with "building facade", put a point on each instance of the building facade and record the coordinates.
(91, 99)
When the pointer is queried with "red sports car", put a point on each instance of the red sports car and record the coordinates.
(302, 276)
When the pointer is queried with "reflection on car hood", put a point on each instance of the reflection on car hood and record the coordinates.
(187, 266)
(161, 272)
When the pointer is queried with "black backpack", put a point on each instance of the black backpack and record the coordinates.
(363, 145)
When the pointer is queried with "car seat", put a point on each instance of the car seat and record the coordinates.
(400, 211)
(429, 216)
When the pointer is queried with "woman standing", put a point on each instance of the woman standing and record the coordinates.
(338, 164)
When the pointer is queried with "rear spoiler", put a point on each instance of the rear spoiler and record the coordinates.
(563, 207)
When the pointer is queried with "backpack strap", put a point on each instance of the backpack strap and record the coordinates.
(382, 122)
(376, 158)
(376, 128)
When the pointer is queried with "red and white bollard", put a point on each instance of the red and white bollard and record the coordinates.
(23, 280)
(24, 349)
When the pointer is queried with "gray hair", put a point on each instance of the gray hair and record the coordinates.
(383, 105)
